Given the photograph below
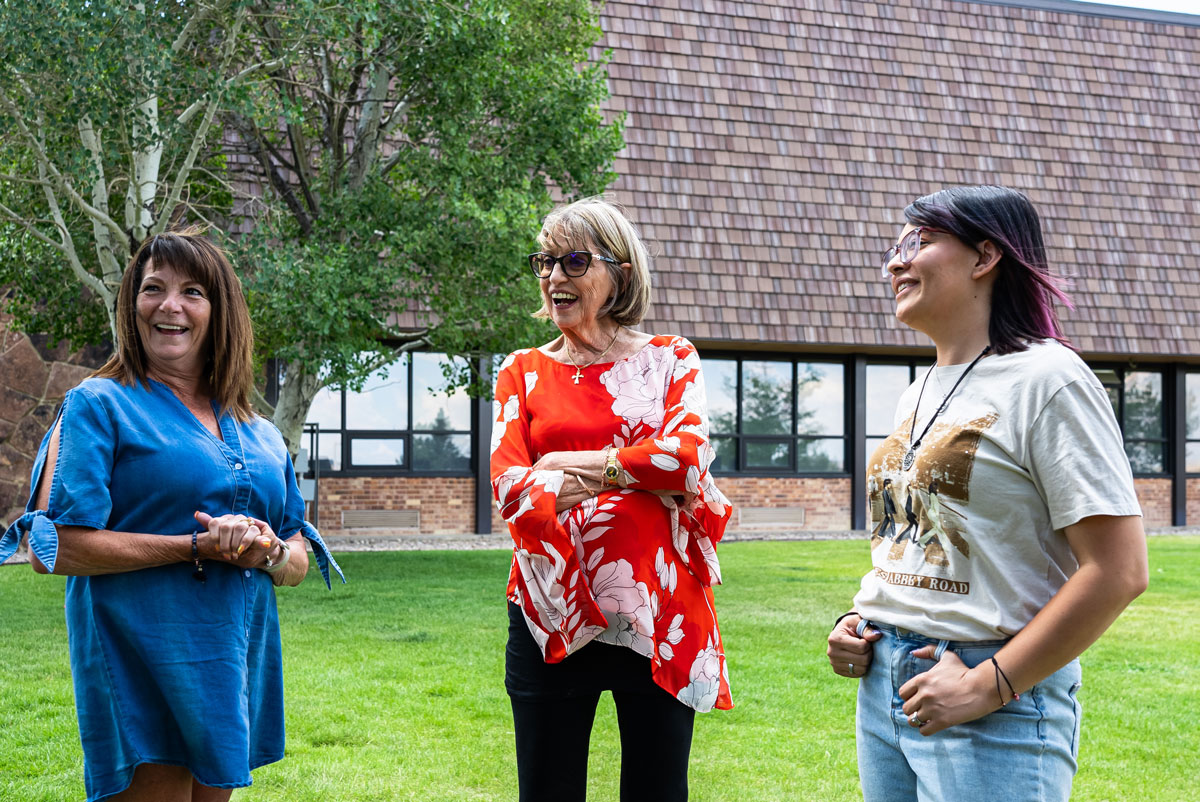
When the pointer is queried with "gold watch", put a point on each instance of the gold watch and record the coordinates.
(612, 468)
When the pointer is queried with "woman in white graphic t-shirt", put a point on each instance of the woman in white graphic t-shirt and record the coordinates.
(1006, 534)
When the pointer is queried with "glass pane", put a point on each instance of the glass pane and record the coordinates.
(383, 401)
(432, 408)
(365, 453)
(1192, 404)
(326, 409)
(768, 454)
(1143, 405)
(820, 399)
(1114, 398)
(720, 385)
(726, 448)
(329, 452)
(820, 456)
(441, 452)
(1193, 458)
(885, 384)
(766, 397)
(1145, 457)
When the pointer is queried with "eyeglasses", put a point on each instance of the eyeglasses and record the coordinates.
(906, 250)
(574, 264)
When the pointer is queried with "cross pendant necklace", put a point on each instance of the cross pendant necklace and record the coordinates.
(579, 369)
(911, 456)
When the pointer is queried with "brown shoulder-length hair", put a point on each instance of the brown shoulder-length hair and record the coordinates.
(230, 365)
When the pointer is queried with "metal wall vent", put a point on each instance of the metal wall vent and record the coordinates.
(771, 516)
(381, 519)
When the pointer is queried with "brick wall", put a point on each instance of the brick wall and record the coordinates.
(826, 502)
(446, 504)
(1193, 502)
(34, 377)
(1155, 497)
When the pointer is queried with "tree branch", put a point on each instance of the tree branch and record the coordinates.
(181, 175)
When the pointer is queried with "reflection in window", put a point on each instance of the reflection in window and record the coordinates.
(1192, 422)
(441, 452)
(766, 397)
(365, 452)
(432, 409)
(886, 382)
(401, 420)
(1137, 399)
(776, 415)
(383, 401)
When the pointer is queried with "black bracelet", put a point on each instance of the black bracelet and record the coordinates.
(844, 615)
(197, 574)
(1000, 673)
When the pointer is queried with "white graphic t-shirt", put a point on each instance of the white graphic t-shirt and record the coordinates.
(968, 543)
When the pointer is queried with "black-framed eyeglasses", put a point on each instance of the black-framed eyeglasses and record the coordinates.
(574, 264)
(907, 250)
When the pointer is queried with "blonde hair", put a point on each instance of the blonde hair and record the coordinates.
(604, 224)
(230, 369)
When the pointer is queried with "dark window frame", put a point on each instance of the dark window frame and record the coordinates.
(743, 439)
(406, 435)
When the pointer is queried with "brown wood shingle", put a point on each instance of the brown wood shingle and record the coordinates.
(771, 148)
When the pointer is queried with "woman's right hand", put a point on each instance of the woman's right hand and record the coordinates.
(234, 537)
(850, 653)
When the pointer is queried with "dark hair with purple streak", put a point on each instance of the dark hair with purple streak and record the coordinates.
(1025, 290)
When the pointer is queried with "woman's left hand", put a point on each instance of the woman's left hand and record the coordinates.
(588, 464)
(947, 694)
(244, 541)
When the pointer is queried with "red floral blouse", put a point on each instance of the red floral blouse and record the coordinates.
(635, 566)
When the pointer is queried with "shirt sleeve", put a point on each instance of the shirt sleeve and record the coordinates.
(293, 521)
(550, 581)
(79, 488)
(1077, 457)
(677, 459)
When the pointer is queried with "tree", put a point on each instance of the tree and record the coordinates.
(386, 162)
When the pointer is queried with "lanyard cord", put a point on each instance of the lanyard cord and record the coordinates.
(915, 444)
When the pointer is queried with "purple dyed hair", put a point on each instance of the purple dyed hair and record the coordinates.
(1025, 290)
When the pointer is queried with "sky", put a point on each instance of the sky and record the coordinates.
(1180, 6)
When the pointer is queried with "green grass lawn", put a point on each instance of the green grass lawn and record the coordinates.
(395, 685)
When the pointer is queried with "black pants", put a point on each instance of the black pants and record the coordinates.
(554, 706)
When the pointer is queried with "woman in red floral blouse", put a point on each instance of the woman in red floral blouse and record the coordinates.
(600, 458)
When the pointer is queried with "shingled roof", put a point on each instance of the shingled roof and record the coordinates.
(772, 146)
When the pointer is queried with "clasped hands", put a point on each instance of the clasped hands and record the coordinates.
(239, 539)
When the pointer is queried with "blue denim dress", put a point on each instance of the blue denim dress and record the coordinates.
(167, 669)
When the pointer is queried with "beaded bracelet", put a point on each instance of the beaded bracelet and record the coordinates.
(197, 574)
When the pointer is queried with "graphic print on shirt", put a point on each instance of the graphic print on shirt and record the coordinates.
(922, 508)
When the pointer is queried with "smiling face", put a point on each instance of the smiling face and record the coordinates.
(173, 313)
(942, 280)
(574, 302)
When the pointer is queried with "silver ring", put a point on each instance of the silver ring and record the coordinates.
(851, 667)
(916, 722)
(269, 563)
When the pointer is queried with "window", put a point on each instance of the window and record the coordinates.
(400, 421)
(1137, 400)
(886, 382)
(1192, 423)
(776, 416)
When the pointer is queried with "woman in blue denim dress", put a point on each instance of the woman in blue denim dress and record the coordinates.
(1006, 536)
(174, 512)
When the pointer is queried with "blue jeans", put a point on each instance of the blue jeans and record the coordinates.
(1024, 752)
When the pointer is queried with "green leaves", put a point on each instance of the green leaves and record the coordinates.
(385, 163)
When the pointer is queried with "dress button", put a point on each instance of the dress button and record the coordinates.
(247, 573)
(237, 466)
